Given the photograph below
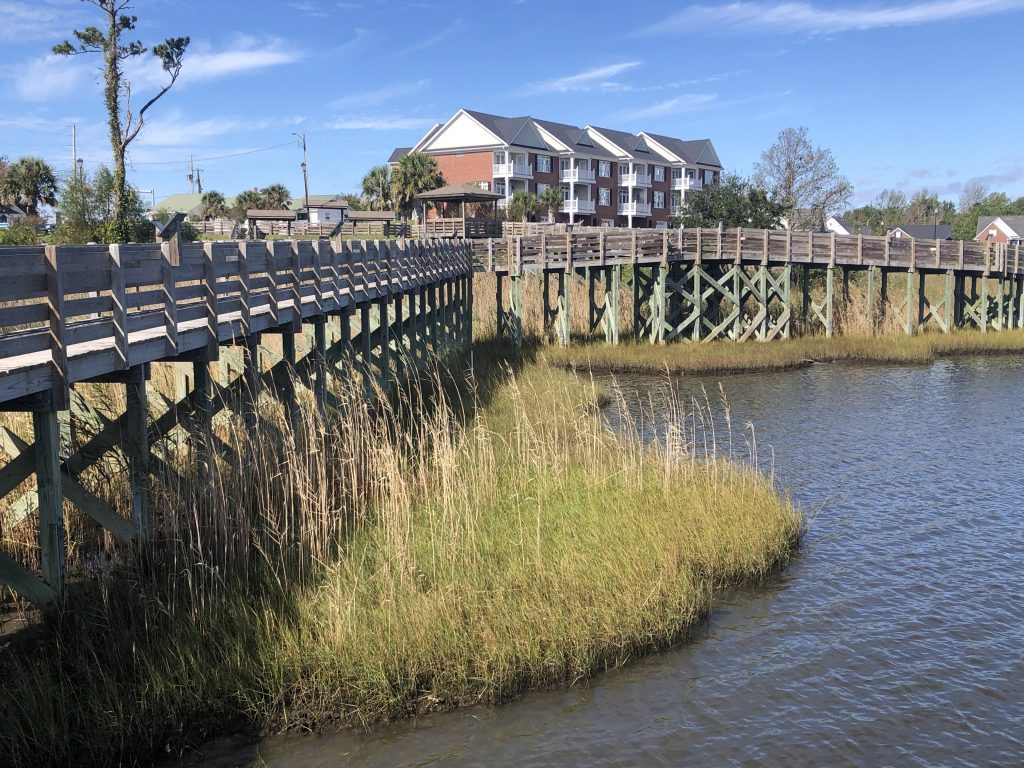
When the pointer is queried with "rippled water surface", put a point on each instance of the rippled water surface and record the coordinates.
(896, 637)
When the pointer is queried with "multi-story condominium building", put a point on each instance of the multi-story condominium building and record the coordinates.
(607, 177)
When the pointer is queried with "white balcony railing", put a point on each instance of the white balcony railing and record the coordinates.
(634, 180)
(581, 175)
(683, 184)
(578, 206)
(516, 170)
(634, 209)
(503, 202)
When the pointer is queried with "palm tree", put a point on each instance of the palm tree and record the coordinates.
(215, 205)
(552, 199)
(523, 205)
(416, 172)
(250, 198)
(275, 196)
(29, 183)
(377, 188)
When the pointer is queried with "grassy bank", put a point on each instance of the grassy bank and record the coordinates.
(729, 357)
(408, 559)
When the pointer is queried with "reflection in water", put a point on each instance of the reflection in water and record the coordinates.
(895, 637)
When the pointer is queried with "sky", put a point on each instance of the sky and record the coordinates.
(908, 95)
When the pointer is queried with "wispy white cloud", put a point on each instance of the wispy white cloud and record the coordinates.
(380, 123)
(434, 39)
(49, 77)
(173, 129)
(24, 20)
(204, 62)
(807, 18)
(359, 38)
(689, 102)
(379, 96)
(596, 78)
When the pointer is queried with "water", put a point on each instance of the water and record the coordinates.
(896, 637)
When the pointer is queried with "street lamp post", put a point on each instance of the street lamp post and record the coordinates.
(305, 174)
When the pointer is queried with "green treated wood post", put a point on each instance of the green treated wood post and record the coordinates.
(516, 298)
(365, 352)
(948, 302)
(499, 301)
(1000, 304)
(383, 341)
(922, 300)
(398, 338)
(564, 320)
(50, 497)
(737, 291)
(698, 290)
(805, 298)
(319, 354)
(763, 301)
(908, 324)
(829, 288)
(1020, 302)
(611, 304)
(202, 425)
(469, 309)
(883, 296)
(787, 326)
(137, 448)
(592, 309)
(983, 304)
(288, 395)
(637, 292)
(657, 302)
(871, 298)
(251, 387)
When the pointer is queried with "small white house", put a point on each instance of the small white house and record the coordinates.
(328, 212)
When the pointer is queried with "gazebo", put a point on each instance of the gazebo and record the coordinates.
(254, 216)
(460, 194)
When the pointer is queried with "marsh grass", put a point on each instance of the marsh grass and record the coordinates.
(451, 547)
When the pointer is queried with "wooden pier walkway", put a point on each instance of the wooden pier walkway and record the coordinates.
(696, 283)
(76, 315)
(71, 316)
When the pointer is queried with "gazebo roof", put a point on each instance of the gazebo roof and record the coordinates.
(467, 192)
(263, 214)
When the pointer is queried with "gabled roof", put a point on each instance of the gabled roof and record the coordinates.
(335, 204)
(270, 214)
(398, 154)
(843, 222)
(298, 203)
(184, 203)
(1014, 223)
(629, 143)
(925, 231)
(468, 191)
(694, 152)
(577, 139)
(517, 131)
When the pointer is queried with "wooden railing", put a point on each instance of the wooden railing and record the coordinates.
(73, 313)
(597, 247)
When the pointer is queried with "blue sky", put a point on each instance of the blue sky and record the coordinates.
(906, 95)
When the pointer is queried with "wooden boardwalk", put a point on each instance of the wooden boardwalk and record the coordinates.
(75, 315)
(697, 283)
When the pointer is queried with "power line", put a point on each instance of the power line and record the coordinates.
(215, 157)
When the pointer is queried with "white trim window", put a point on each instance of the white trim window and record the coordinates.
(542, 187)
(604, 196)
(677, 174)
(604, 168)
(623, 170)
(661, 225)
(499, 157)
(544, 163)
(659, 173)
(659, 199)
(499, 186)
(607, 222)
(623, 196)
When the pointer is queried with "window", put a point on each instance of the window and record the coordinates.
(541, 187)
(604, 168)
(623, 196)
(689, 174)
(677, 174)
(607, 222)
(675, 201)
(565, 191)
(565, 163)
(659, 173)
(659, 199)
(544, 163)
(661, 225)
(499, 158)
(623, 169)
(499, 186)
(604, 196)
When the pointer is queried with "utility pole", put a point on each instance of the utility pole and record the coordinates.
(305, 173)
(74, 147)
(199, 180)
(191, 175)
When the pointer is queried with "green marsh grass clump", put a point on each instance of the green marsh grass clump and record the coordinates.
(729, 357)
(443, 551)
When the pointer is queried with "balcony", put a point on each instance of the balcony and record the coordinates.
(579, 175)
(634, 180)
(503, 202)
(634, 209)
(683, 184)
(578, 206)
(515, 170)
